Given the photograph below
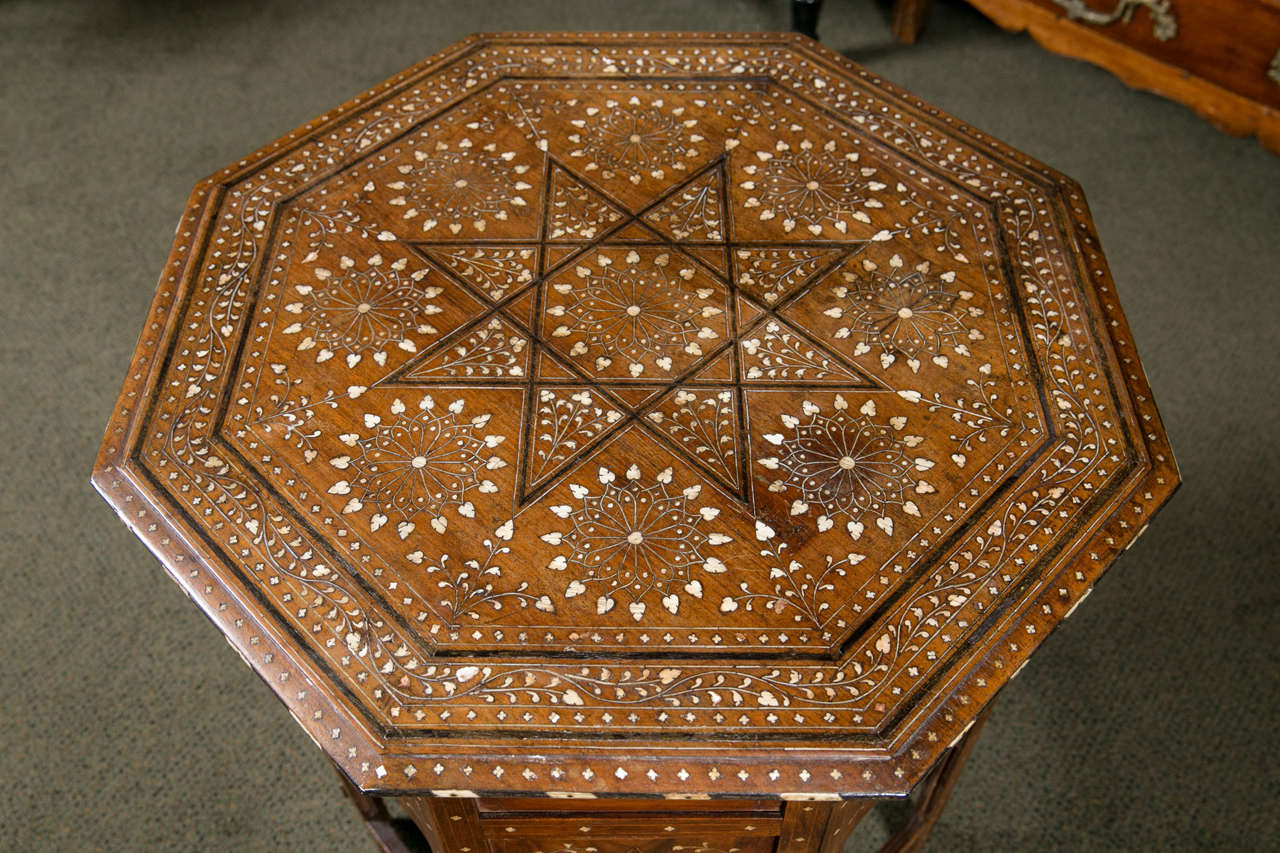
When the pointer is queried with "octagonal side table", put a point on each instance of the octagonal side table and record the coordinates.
(637, 442)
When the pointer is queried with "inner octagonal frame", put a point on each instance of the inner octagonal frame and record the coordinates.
(866, 622)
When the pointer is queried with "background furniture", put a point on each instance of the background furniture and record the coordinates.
(908, 18)
(1219, 57)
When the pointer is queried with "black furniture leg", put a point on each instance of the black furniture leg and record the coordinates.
(804, 16)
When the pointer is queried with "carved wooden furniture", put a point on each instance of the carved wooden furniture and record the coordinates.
(636, 442)
(908, 20)
(1219, 57)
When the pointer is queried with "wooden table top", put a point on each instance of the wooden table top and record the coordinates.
(636, 414)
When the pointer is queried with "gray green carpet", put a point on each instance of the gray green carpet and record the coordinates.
(1148, 722)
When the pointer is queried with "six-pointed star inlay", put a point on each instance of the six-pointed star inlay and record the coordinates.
(617, 316)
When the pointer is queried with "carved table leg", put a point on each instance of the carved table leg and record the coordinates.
(804, 17)
(935, 790)
(392, 835)
(803, 824)
(449, 823)
(909, 17)
(844, 817)
(820, 827)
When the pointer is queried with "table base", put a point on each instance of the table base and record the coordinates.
(540, 825)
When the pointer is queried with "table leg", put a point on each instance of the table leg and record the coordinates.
(931, 798)
(909, 17)
(803, 825)
(392, 835)
(844, 817)
(450, 823)
(804, 17)
(935, 790)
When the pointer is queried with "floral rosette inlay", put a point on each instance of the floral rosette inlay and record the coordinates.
(361, 311)
(811, 187)
(415, 462)
(633, 138)
(846, 465)
(460, 187)
(633, 539)
(903, 312)
(638, 311)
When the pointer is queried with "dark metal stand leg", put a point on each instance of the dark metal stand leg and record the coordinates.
(804, 17)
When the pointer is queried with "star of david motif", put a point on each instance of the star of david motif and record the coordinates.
(649, 316)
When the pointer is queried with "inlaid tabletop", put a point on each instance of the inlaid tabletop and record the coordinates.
(636, 414)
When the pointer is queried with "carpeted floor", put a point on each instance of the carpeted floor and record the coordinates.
(1147, 723)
